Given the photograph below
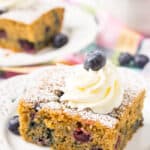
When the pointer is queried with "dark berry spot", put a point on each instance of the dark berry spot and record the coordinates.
(3, 34)
(43, 142)
(32, 124)
(141, 60)
(26, 45)
(79, 124)
(95, 60)
(81, 135)
(96, 148)
(59, 93)
(13, 125)
(47, 29)
(137, 124)
(59, 40)
(46, 139)
(125, 59)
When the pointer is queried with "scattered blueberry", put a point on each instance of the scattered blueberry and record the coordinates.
(59, 40)
(140, 60)
(81, 135)
(26, 45)
(13, 125)
(125, 59)
(95, 60)
(3, 34)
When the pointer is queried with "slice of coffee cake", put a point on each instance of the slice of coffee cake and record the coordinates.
(78, 108)
(32, 27)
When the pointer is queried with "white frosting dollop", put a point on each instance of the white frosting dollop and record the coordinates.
(13, 4)
(101, 90)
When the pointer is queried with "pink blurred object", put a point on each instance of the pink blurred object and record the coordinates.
(8, 74)
(115, 35)
(73, 59)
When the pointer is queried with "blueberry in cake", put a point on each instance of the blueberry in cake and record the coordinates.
(28, 28)
(84, 107)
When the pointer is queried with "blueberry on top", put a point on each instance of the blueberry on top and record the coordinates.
(13, 125)
(125, 59)
(140, 60)
(59, 40)
(95, 60)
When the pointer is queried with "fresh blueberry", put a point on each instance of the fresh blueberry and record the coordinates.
(26, 45)
(81, 135)
(59, 40)
(13, 125)
(141, 60)
(95, 60)
(125, 59)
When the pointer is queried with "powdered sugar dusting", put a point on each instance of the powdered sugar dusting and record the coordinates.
(10, 91)
(44, 83)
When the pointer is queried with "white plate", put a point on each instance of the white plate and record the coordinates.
(12, 88)
(81, 29)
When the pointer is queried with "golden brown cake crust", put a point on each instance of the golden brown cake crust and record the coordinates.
(36, 34)
(104, 131)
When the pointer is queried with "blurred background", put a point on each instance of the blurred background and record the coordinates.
(119, 28)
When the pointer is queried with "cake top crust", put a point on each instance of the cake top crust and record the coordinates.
(43, 90)
(31, 13)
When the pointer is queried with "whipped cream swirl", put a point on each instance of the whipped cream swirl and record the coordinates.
(101, 90)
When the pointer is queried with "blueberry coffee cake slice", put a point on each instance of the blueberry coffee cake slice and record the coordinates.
(28, 28)
(83, 107)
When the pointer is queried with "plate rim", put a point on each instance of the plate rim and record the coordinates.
(3, 140)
